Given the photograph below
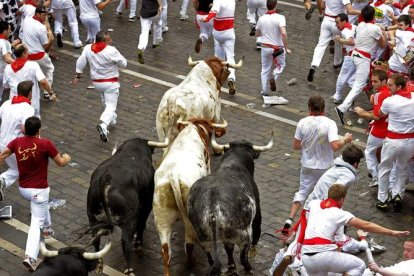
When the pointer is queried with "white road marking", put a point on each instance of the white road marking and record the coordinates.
(52, 242)
(290, 4)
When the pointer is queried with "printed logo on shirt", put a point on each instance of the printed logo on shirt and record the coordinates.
(27, 152)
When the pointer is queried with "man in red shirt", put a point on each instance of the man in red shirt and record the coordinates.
(32, 155)
(378, 129)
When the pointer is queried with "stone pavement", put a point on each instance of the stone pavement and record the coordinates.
(72, 126)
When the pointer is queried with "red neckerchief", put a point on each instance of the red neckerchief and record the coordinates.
(404, 93)
(409, 29)
(384, 88)
(18, 64)
(347, 26)
(2, 36)
(316, 113)
(37, 19)
(20, 99)
(271, 12)
(30, 2)
(329, 203)
(98, 46)
(378, 3)
(409, 3)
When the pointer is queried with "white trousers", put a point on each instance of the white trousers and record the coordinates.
(73, 23)
(12, 174)
(145, 28)
(109, 96)
(308, 180)
(328, 31)
(132, 7)
(206, 28)
(399, 152)
(1, 86)
(362, 65)
(346, 76)
(224, 47)
(47, 67)
(333, 261)
(93, 25)
(373, 143)
(253, 7)
(269, 68)
(164, 14)
(39, 200)
(184, 6)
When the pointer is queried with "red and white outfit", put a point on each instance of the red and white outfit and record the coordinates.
(381, 13)
(315, 133)
(319, 251)
(348, 69)
(255, 7)
(378, 132)
(89, 16)
(5, 48)
(32, 154)
(34, 36)
(22, 70)
(269, 26)
(104, 62)
(66, 7)
(125, 4)
(366, 44)
(403, 40)
(27, 10)
(206, 28)
(329, 31)
(398, 147)
(223, 31)
(13, 114)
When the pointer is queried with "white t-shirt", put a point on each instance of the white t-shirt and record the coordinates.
(62, 4)
(27, 11)
(347, 34)
(401, 267)
(30, 71)
(400, 112)
(12, 117)
(224, 8)
(335, 7)
(5, 48)
(403, 41)
(324, 223)
(381, 15)
(34, 35)
(316, 134)
(88, 9)
(269, 26)
(367, 36)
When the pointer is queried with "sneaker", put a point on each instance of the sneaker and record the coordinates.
(132, 19)
(30, 263)
(383, 206)
(232, 87)
(320, 17)
(280, 269)
(265, 94)
(183, 17)
(2, 188)
(308, 14)
(165, 29)
(253, 31)
(78, 46)
(91, 87)
(397, 202)
(331, 47)
(141, 56)
(46, 95)
(156, 45)
(333, 100)
(103, 132)
(287, 226)
(198, 44)
(311, 73)
(59, 40)
(338, 66)
(258, 46)
(272, 84)
(118, 14)
(340, 115)
(53, 56)
(373, 183)
(48, 232)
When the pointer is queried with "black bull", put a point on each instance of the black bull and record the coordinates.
(121, 193)
(225, 205)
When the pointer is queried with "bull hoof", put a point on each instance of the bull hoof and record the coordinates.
(231, 271)
(129, 272)
(140, 251)
(253, 251)
(99, 267)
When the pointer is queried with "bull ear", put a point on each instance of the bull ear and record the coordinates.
(264, 148)
(45, 252)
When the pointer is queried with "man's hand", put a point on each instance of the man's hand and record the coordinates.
(16, 42)
(358, 110)
(288, 51)
(337, 38)
(53, 98)
(66, 157)
(400, 233)
(373, 267)
(362, 234)
(348, 137)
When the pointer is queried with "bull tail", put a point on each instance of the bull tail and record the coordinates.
(104, 195)
(216, 268)
(175, 185)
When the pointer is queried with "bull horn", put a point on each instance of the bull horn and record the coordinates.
(234, 66)
(216, 146)
(99, 254)
(45, 252)
(192, 63)
(265, 148)
(159, 144)
(222, 125)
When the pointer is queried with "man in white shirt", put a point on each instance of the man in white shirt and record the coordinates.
(328, 32)
(317, 138)
(319, 251)
(13, 114)
(398, 147)
(89, 16)
(271, 28)
(368, 37)
(23, 69)
(401, 41)
(5, 51)
(104, 62)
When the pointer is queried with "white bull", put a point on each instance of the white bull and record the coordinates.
(197, 96)
(186, 161)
